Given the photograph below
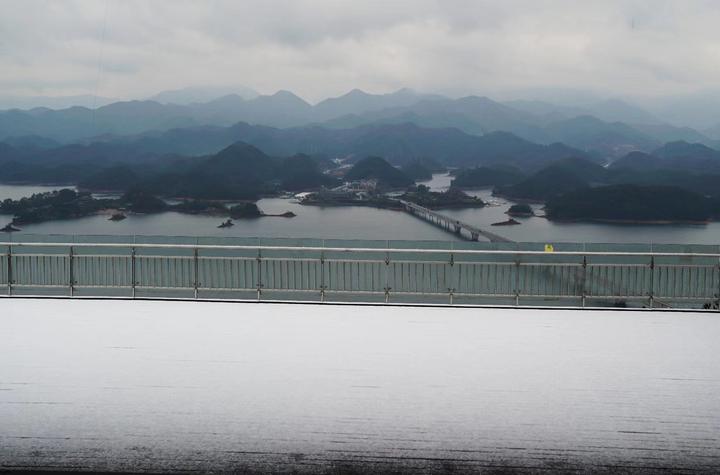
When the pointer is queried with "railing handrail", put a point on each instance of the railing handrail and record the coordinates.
(11, 244)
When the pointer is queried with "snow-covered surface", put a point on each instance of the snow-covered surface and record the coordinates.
(163, 386)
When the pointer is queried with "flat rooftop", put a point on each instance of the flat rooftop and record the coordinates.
(168, 386)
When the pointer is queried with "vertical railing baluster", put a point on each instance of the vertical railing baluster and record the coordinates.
(517, 280)
(652, 281)
(387, 273)
(72, 273)
(583, 281)
(196, 268)
(322, 273)
(259, 274)
(451, 288)
(9, 270)
(133, 279)
(717, 298)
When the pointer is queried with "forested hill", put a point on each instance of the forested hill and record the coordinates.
(398, 143)
(678, 155)
(239, 171)
(573, 174)
(375, 168)
(633, 203)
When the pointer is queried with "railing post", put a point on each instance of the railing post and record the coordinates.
(133, 282)
(451, 289)
(259, 282)
(583, 281)
(9, 270)
(652, 281)
(195, 272)
(717, 297)
(72, 273)
(517, 280)
(387, 274)
(322, 274)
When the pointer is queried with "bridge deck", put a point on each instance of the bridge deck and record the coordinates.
(451, 224)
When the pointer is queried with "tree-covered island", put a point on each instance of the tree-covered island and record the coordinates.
(70, 204)
(633, 204)
(450, 198)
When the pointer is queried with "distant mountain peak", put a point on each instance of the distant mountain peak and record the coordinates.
(198, 94)
(286, 93)
(615, 109)
(681, 148)
(286, 97)
(483, 99)
(356, 93)
(240, 148)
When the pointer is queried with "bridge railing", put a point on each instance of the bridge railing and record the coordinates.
(427, 272)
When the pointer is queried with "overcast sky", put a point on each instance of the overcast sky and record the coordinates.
(320, 48)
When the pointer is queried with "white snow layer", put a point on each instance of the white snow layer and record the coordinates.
(170, 386)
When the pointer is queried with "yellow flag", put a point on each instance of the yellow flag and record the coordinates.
(549, 248)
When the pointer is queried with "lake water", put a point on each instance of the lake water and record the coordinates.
(367, 223)
(332, 223)
(540, 229)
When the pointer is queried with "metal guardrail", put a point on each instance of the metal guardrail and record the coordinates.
(470, 273)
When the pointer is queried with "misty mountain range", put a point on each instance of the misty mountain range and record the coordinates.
(182, 143)
(594, 130)
(398, 143)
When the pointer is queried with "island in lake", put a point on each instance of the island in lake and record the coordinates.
(451, 198)
(633, 204)
(70, 204)
(228, 183)
(522, 210)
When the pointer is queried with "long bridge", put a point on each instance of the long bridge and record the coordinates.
(458, 227)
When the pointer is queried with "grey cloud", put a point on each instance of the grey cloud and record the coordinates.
(319, 48)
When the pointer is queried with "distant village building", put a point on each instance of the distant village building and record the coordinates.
(362, 190)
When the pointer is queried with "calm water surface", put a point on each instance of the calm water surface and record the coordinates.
(367, 223)
(540, 229)
(311, 221)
